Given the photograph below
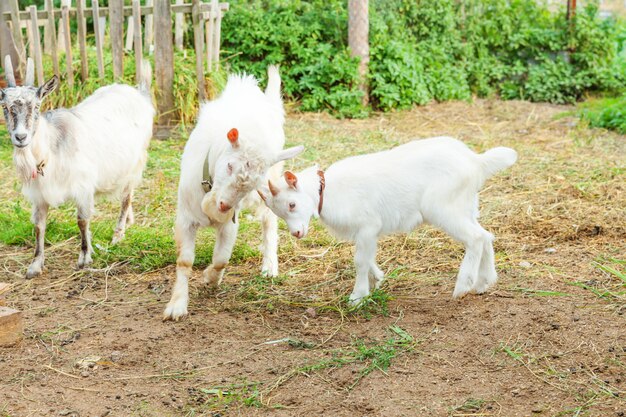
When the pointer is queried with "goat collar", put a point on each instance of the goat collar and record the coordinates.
(38, 171)
(207, 182)
(320, 173)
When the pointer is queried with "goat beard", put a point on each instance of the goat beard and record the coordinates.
(25, 164)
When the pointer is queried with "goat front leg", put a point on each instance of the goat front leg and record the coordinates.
(269, 221)
(487, 275)
(364, 257)
(125, 215)
(84, 215)
(40, 214)
(185, 235)
(225, 237)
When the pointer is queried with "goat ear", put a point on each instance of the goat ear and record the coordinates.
(233, 137)
(291, 179)
(48, 87)
(289, 153)
(273, 189)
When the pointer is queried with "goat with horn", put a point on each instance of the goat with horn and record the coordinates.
(97, 147)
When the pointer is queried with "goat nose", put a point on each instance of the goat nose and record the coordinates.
(297, 233)
(20, 137)
(224, 207)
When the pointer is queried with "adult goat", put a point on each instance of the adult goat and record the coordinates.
(97, 147)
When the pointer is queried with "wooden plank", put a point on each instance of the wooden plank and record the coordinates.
(164, 61)
(52, 38)
(178, 30)
(137, 38)
(15, 16)
(217, 37)
(198, 41)
(81, 24)
(29, 39)
(128, 10)
(36, 45)
(11, 326)
(209, 28)
(149, 32)
(116, 28)
(129, 35)
(96, 29)
(65, 17)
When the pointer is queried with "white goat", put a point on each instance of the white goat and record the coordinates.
(98, 147)
(235, 145)
(365, 197)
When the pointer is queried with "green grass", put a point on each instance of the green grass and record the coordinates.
(608, 113)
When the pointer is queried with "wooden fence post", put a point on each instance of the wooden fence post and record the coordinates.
(52, 38)
(198, 38)
(65, 16)
(137, 38)
(217, 36)
(95, 8)
(209, 28)
(164, 61)
(116, 21)
(178, 32)
(148, 37)
(82, 41)
(36, 44)
(358, 40)
(17, 36)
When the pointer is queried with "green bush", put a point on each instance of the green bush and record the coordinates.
(426, 50)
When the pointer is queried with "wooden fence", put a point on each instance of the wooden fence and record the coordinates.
(148, 30)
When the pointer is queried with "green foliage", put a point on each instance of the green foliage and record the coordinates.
(426, 50)
(608, 113)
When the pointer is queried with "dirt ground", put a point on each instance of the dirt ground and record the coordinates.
(548, 340)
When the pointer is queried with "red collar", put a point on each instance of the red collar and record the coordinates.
(320, 173)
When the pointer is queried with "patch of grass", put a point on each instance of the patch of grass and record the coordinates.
(608, 113)
(531, 292)
(469, 407)
(377, 303)
(223, 397)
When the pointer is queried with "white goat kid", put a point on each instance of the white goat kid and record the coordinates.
(434, 180)
(98, 147)
(235, 146)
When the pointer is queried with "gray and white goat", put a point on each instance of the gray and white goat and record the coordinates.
(97, 147)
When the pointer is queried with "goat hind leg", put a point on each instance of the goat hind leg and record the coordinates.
(126, 209)
(185, 243)
(487, 275)
(223, 249)
(376, 276)
(40, 213)
(84, 215)
(269, 221)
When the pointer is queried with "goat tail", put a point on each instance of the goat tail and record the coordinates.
(146, 77)
(497, 159)
(272, 90)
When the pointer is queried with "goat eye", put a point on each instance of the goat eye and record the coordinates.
(230, 168)
(292, 206)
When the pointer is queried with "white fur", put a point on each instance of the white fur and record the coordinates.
(259, 119)
(435, 181)
(98, 147)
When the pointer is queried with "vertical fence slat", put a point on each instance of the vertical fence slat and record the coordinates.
(198, 38)
(116, 22)
(164, 61)
(82, 38)
(65, 17)
(149, 33)
(29, 38)
(52, 37)
(17, 36)
(178, 31)
(137, 38)
(209, 28)
(129, 34)
(95, 8)
(36, 44)
(217, 36)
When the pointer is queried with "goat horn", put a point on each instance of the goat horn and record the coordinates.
(273, 189)
(8, 71)
(30, 73)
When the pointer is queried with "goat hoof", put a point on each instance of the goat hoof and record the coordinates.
(117, 238)
(84, 261)
(175, 311)
(460, 292)
(356, 300)
(32, 273)
(269, 269)
(212, 277)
